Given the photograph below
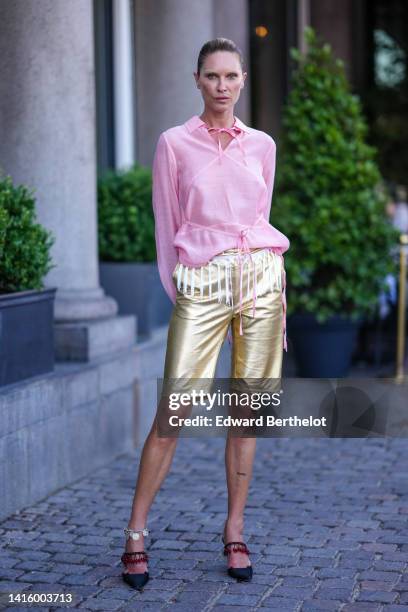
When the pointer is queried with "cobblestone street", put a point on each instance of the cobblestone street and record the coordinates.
(326, 523)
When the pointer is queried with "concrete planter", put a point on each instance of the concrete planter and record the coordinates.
(138, 290)
(26, 334)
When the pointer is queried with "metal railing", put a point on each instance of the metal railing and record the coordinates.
(400, 376)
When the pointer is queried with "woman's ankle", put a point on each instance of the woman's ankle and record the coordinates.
(235, 522)
(137, 523)
(135, 545)
(132, 544)
(234, 526)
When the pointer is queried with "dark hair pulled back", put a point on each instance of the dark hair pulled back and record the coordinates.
(218, 44)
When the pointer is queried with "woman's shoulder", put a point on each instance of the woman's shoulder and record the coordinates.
(171, 136)
(264, 138)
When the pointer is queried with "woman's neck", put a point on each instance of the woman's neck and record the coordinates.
(215, 121)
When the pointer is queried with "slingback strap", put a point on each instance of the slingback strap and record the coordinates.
(129, 558)
(236, 547)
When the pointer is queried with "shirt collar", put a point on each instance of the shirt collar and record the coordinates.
(195, 122)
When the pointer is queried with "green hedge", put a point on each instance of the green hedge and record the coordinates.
(24, 244)
(329, 199)
(125, 216)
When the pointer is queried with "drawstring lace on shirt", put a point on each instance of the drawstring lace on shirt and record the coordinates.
(233, 131)
(243, 250)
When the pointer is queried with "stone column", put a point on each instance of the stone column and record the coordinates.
(303, 20)
(169, 36)
(47, 119)
(123, 84)
(231, 20)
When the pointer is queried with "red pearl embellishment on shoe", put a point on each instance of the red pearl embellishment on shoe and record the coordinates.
(129, 558)
(236, 547)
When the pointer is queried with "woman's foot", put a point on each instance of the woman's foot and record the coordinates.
(233, 533)
(136, 546)
(136, 571)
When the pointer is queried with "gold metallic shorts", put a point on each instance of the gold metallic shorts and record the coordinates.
(246, 293)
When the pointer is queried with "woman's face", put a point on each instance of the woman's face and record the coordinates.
(220, 81)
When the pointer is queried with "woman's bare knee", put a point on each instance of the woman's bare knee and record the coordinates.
(157, 436)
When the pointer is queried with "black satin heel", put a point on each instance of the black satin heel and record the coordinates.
(137, 581)
(242, 574)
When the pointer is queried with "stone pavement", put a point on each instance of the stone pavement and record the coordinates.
(326, 523)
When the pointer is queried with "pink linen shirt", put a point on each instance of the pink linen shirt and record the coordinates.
(207, 199)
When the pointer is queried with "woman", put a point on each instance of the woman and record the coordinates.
(221, 263)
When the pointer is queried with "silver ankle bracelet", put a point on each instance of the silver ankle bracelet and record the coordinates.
(134, 533)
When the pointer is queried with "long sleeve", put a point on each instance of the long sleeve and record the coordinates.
(166, 212)
(269, 175)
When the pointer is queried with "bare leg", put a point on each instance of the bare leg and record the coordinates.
(239, 458)
(156, 458)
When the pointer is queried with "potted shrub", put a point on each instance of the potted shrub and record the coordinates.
(330, 204)
(26, 307)
(127, 247)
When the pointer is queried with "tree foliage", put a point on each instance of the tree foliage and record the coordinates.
(329, 198)
(125, 216)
